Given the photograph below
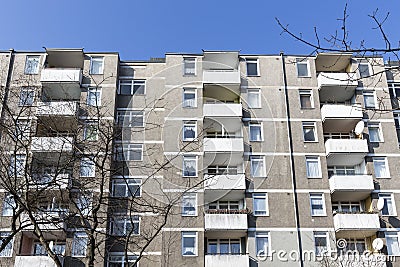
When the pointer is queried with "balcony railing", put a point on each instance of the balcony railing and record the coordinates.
(223, 144)
(218, 260)
(351, 185)
(61, 108)
(358, 224)
(224, 181)
(61, 180)
(330, 111)
(229, 221)
(31, 261)
(220, 109)
(52, 144)
(337, 79)
(60, 75)
(221, 76)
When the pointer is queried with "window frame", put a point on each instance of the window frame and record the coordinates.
(309, 93)
(124, 114)
(253, 61)
(316, 195)
(26, 69)
(131, 258)
(263, 234)
(261, 159)
(126, 182)
(393, 203)
(79, 235)
(17, 165)
(302, 61)
(313, 159)
(319, 234)
(189, 195)
(381, 159)
(189, 90)
(122, 148)
(132, 83)
(377, 126)
(96, 58)
(26, 103)
(86, 131)
(22, 129)
(190, 158)
(126, 220)
(254, 91)
(393, 235)
(189, 124)
(368, 67)
(185, 68)
(308, 125)
(264, 196)
(94, 90)
(369, 93)
(90, 163)
(258, 125)
(189, 234)
(8, 205)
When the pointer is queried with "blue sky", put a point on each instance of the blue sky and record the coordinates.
(149, 28)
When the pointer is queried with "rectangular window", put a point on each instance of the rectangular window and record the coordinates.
(17, 165)
(369, 99)
(317, 203)
(26, 96)
(189, 98)
(381, 167)
(117, 259)
(79, 244)
(32, 64)
(189, 130)
(257, 166)
(363, 68)
(126, 187)
(375, 133)
(8, 205)
(125, 225)
(189, 243)
(189, 166)
(392, 243)
(309, 133)
(84, 204)
(132, 87)
(223, 246)
(262, 244)
(96, 65)
(252, 66)
(306, 100)
(87, 167)
(22, 130)
(189, 66)
(313, 167)
(396, 117)
(389, 208)
(130, 118)
(93, 97)
(91, 131)
(256, 131)
(225, 205)
(189, 204)
(321, 243)
(129, 152)
(303, 69)
(260, 204)
(254, 98)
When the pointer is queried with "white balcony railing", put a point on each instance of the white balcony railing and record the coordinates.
(225, 221)
(225, 182)
(31, 261)
(223, 145)
(346, 146)
(341, 112)
(61, 76)
(351, 183)
(221, 76)
(222, 110)
(52, 144)
(358, 224)
(61, 180)
(337, 79)
(226, 260)
(46, 220)
(62, 108)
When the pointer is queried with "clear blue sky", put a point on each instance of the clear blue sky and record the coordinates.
(149, 28)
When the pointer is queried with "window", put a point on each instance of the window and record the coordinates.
(189, 98)
(225, 205)
(375, 133)
(26, 96)
(397, 124)
(189, 243)
(317, 203)
(381, 167)
(8, 205)
(17, 165)
(126, 187)
(221, 169)
(256, 131)
(93, 97)
(189, 66)
(254, 98)
(84, 203)
(369, 99)
(90, 133)
(125, 225)
(303, 69)
(389, 208)
(189, 166)
(342, 170)
(313, 167)
(189, 130)
(87, 168)
(58, 248)
(257, 166)
(79, 244)
(309, 132)
(132, 87)
(321, 243)
(96, 65)
(189, 204)
(252, 66)
(392, 243)
(22, 130)
(7, 251)
(363, 68)
(223, 246)
(32, 65)
(118, 260)
(262, 244)
(354, 245)
(130, 118)
(129, 152)
(348, 207)
(306, 100)
(260, 204)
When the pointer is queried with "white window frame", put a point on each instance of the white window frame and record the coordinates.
(189, 158)
(189, 234)
(84, 203)
(97, 59)
(309, 93)
(313, 159)
(253, 159)
(9, 253)
(310, 124)
(377, 126)
(22, 130)
(132, 83)
(369, 93)
(256, 92)
(27, 69)
(189, 124)
(112, 256)
(125, 150)
(17, 165)
(97, 92)
(78, 237)
(396, 236)
(253, 61)
(225, 241)
(320, 234)
(87, 162)
(95, 130)
(391, 197)
(259, 125)
(8, 205)
(320, 196)
(127, 182)
(186, 103)
(260, 196)
(127, 222)
(369, 69)
(266, 235)
(129, 116)
(27, 91)
(191, 197)
(303, 61)
(384, 160)
(185, 59)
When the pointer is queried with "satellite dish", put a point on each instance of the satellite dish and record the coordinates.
(377, 244)
(359, 128)
(380, 204)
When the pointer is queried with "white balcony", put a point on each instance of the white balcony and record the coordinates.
(350, 187)
(47, 221)
(52, 144)
(61, 83)
(229, 145)
(221, 77)
(226, 260)
(222, 110)
(336, 86)
(34, 261)
(341, 118)
(356, 225)
(225, 182)
(62, 108)
(347, 152)
(225, 222)
(50, 181)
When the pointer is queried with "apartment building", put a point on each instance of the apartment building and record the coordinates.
(211, 159)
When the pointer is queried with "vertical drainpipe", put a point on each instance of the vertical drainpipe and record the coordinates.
(292, 167)
(7, 86)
